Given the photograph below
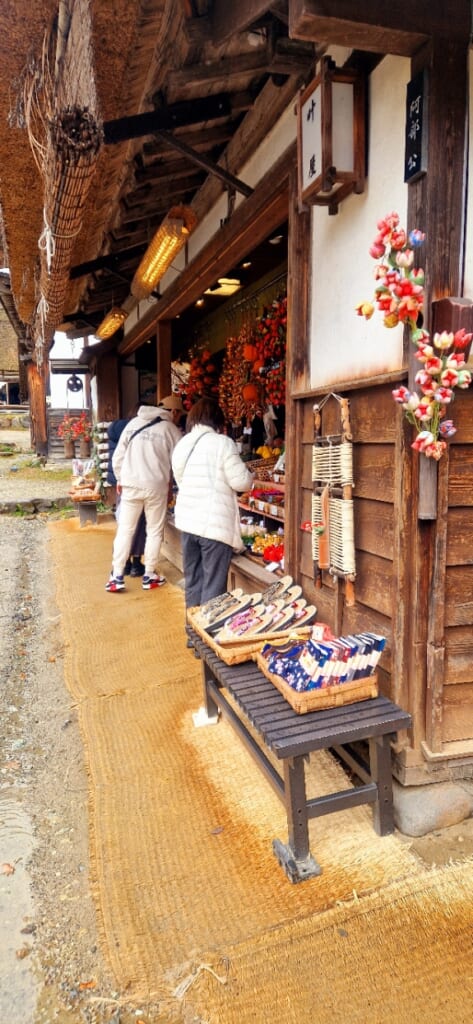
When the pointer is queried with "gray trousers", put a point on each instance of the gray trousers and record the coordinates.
(206, 564)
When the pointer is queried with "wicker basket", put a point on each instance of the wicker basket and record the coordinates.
(263, 468)
(317, 700)
(244, 650)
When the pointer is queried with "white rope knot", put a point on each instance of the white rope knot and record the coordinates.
(46, 242)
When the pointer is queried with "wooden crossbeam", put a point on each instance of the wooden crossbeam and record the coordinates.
(176, 115)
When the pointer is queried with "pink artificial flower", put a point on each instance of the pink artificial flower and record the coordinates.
(409, 308)
(426, 383)
(398, 239)
(436, 450)
(377, 249)
(443, 395)
(388, 223)
(420, 336)
(455, 361)
(426, 443)
(418, 276)
(424, 352)
(405, 258)
(447, 429)
(423, 440)
(461, 339)
(401, 395)
(464, 379)
(412, 402)
(424, 411)
(433, 365)
(449, 378)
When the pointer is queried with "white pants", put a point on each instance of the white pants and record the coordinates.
(133, 501)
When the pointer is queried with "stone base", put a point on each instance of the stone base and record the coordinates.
(422, 809)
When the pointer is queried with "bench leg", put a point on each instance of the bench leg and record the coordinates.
(380, 767)
(209, 713)
(295, 857)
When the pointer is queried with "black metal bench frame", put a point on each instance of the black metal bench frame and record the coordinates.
(292, 738)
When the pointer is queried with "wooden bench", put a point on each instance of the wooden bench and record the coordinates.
(292, 738)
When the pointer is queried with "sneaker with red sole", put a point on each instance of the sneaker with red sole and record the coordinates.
(152, 582)
(115, 584)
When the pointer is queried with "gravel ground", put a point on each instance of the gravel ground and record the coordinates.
(51, 968)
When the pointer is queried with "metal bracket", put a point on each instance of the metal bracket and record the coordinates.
(296, 870)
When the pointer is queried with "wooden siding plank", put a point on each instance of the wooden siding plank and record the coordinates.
(373, 585)
(459, 596)
(460, 470)
(458, 655)
(458, 713)
(460, 536)
(374, 527)
(373, 471)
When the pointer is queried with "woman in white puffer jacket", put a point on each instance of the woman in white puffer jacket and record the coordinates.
(209, 473)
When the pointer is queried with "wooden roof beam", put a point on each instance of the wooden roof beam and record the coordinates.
(227, 20)
(378, 25)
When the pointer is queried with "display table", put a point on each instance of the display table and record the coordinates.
(292, 738)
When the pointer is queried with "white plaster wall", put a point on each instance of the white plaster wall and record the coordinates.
(344, 346)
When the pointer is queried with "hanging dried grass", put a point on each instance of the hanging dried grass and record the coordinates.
(73, 143)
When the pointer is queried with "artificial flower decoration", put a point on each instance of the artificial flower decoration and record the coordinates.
(65, 428)
(82, 428)
(399, 296)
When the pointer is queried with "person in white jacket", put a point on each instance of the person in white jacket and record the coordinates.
(142, 465)
(209, 473)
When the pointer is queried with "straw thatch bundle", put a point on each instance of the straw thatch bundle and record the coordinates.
(73, 143)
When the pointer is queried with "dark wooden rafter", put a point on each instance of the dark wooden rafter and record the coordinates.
(377, 25)
(229, 179)
(277, 57)
(166, 118)
(227, 20)
(155, 149)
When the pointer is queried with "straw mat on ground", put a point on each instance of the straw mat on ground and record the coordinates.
(182, 820)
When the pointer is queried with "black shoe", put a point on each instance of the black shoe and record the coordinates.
(127, 569)
(137, 568)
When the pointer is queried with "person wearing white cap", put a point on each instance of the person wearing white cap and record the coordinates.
(142, 465)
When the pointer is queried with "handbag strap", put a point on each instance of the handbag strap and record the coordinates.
(157, 419)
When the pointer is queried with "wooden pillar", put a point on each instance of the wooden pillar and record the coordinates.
(297, 368)
(37, 401)
(108, 388)
(163, 347)
(436, 206)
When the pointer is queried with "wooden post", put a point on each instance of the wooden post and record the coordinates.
(163, 346)
(436, 206)
(37, 400)
(297, 368)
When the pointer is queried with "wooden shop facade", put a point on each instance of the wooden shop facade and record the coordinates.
(413, 517)
(379, 122)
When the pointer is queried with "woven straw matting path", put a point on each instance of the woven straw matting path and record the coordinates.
(181, 825)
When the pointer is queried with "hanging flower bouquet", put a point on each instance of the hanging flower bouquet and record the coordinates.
(399, 295)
